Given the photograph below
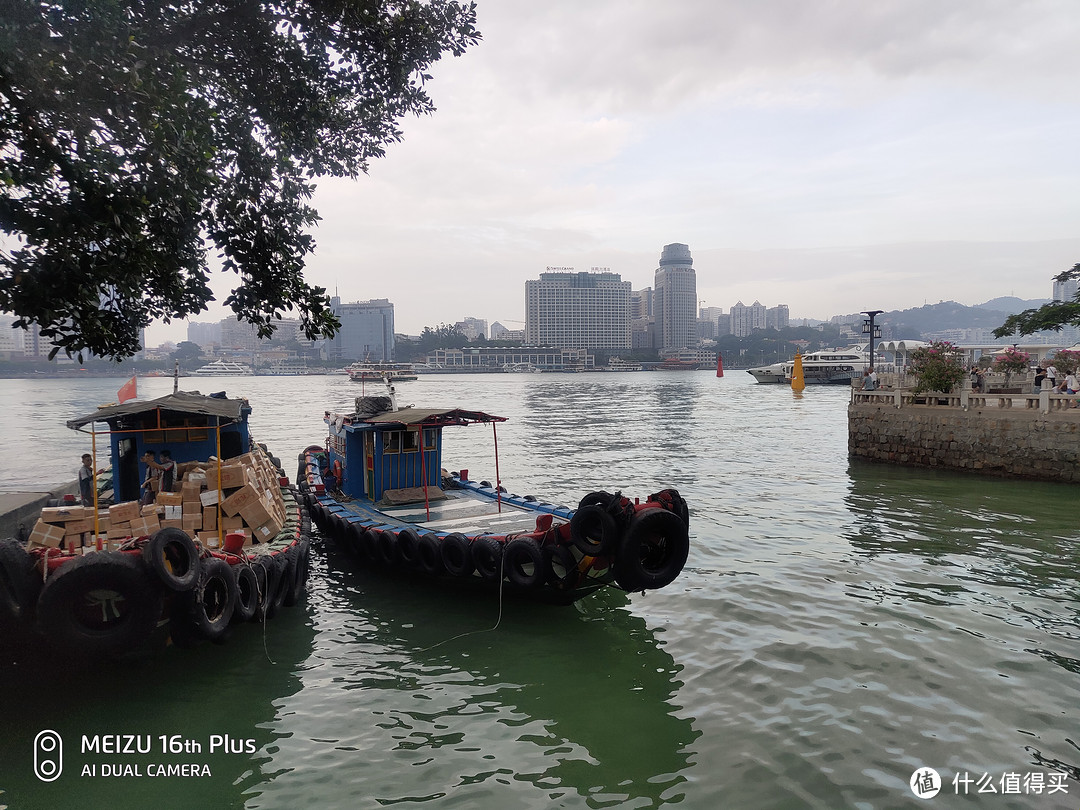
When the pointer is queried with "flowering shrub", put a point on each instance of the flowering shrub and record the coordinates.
(1012, 360)
(1065, 361)
(938, 366)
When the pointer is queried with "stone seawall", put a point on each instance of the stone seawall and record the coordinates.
(992, 441)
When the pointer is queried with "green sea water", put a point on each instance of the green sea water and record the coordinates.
(838, 629)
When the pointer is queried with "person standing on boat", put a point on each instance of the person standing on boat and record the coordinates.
(86, 480)
(159, 477)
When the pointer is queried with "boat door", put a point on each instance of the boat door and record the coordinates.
(369, 463)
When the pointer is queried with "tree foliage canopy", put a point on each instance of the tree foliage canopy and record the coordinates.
(137, 137)
(1049, 316)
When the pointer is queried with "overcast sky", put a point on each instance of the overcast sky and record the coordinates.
(832, 155)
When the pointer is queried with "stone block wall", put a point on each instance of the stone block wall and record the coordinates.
(992, 441)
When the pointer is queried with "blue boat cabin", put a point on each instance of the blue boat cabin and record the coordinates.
(192, 427)
(370, 455)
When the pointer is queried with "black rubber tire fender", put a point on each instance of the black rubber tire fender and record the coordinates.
(247, 593)
(336, 527)
(389, 553)
(99, 604)
(267, 570)
(487, 557)
(20, 583)
(560, 565)
(408, 541)
(299, 574)
(173, 558)
(213, 600)
(456, 555)
(653, 552)
(353, 537)
(524, 563)
(429, 553)
(593, 531)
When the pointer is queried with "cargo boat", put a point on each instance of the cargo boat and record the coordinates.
(101, 581)
(378, 488)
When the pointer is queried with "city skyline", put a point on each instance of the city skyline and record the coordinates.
(835, 157)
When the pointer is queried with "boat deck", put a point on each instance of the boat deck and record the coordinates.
(460, 511)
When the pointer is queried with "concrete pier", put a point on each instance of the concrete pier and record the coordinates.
(19, 511)
(1027, 436)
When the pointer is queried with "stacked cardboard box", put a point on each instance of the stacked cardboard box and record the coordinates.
(249, 501)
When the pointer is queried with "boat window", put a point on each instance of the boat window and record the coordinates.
(391, 441)
(431, 437)
(410, 441)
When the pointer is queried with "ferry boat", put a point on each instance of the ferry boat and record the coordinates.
(379, 372)
(618, 364)
(224, 368)
(377, 487)
(228, 545)
(824, 367)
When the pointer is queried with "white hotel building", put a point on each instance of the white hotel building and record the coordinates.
(568, 309)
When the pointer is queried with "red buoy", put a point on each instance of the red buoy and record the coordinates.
(719, 365)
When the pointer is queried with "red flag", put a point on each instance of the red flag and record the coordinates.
(127, 391)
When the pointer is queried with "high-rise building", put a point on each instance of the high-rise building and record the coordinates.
(568, 309)
(1065, 290)
(472, 328)
(745, 319)
(675, 301)
(777, 317)
(367, 331)
(204, 335)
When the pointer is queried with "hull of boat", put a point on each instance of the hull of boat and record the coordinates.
(468, 534)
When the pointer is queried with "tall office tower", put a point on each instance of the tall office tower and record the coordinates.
(675, 302)
(367, 331)
(237, 334)
(566, 309)
(708, 317)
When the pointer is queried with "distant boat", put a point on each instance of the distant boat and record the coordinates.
(224, 368)
(678, 365)
(377, 372)
(618, 364)
(287, 368)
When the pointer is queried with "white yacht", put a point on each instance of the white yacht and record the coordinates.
(824, 367)
(224, 368)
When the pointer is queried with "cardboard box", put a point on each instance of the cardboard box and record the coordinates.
(232, 524)
(232, 475)
(62, 514)
(150, 510)
(256, 513)
(169, 498)
(209, 497)
(238, 500)
(191, 491)
(209, 518)
(123, 512)
(210, 539)
(192, 508)
(118, 534)
(267, 531)
(78, 527)
(172, 524)
(46, 534)
(73, 543)
(174, 512)
(192, 523)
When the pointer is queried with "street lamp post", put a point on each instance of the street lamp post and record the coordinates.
(871, 330)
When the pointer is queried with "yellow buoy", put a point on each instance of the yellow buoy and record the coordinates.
(797, 382)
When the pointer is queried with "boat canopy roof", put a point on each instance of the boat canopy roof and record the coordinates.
(429, 417)
(232, 410)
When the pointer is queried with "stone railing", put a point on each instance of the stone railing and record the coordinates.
(1044, 401)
